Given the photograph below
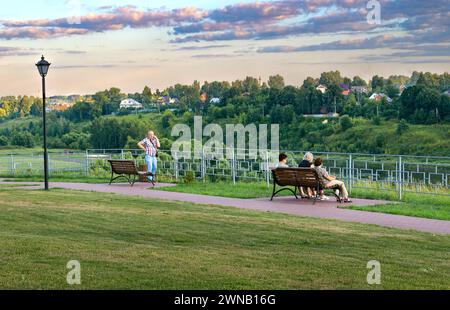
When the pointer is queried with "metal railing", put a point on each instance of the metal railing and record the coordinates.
(400, 173)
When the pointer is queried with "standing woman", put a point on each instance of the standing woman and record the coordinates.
(151, 145)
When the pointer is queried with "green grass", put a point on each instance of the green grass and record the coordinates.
(223, 189)
(135, 243)
(418, 205)
(57, 178)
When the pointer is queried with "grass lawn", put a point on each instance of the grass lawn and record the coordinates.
(63, 178)
(135, 243)
(224, 189)
(426, 206)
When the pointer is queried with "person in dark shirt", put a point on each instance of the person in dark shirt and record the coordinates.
(307, 162)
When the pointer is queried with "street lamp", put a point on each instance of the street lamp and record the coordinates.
(43, 66)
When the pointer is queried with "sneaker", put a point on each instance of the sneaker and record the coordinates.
(324, 198)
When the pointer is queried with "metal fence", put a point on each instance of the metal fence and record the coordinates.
(400, 173)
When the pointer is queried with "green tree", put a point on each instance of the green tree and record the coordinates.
(402, 127)
(276, 82)
(22, 138)
(346, 122)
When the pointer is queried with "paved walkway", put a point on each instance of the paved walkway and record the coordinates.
(288, 205)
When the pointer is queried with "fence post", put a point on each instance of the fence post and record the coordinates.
(400, 178)
(267, 170)
(122, 156)
(203, 166)
(49, 165)
(175, 162)
(12, 164)
(350, 171)
(233, 167)
(86, 168)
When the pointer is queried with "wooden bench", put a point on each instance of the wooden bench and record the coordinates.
(126, 169)
(297, 177)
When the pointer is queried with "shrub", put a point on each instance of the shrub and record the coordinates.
(189, 177)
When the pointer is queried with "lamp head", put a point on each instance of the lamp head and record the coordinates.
(43, 66)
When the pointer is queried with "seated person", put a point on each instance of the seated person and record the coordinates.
(330, 181)
(307, 162)
(282, 161)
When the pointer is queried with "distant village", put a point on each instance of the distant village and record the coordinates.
(62, 103)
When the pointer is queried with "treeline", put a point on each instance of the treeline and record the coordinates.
(423, 100)
(419, 99)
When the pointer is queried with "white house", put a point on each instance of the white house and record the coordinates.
(379, 97)
(215, 100)
(322, 88)
(359, 89)
(130, 104)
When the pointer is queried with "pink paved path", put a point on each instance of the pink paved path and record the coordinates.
(289, 205)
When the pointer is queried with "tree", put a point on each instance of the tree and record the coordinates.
(377, 83)
(331, 78)
(358, 81)
(4, 141)
(276, 82)
(22, 138)
(147, 96)
(36, 108)
(402, 127)
(346, 122)
(250, 84)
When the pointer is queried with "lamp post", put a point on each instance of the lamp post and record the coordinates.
(43, 66)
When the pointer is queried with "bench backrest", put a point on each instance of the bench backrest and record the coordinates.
(123, 166)
(306, 177)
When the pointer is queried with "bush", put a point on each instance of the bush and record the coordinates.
(402, 127)
(346, 122)
(3, 141)
(189, 177)
(22, 138)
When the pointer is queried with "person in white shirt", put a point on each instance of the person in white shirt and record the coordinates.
(282, 161)
(150, 145)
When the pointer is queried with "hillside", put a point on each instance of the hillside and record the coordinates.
(361, 136)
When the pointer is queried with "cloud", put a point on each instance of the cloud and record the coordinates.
(15, 51)
(200, 47)
(209, 56)
(404, 22)
(117, 19)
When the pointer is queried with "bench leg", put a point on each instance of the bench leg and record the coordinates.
(112, 178)
(118, 177)
(317, 194)
(295, 193)
(283, 189)
(273, 192)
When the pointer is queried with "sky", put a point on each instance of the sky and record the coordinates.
(97, 44)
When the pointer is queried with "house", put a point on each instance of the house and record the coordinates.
(166, 100)
(359, 89)
(130, 104)
(215, 100)
(322, 88)
(379, 96)
(325, 115)
(58, 104)
(345, 89)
